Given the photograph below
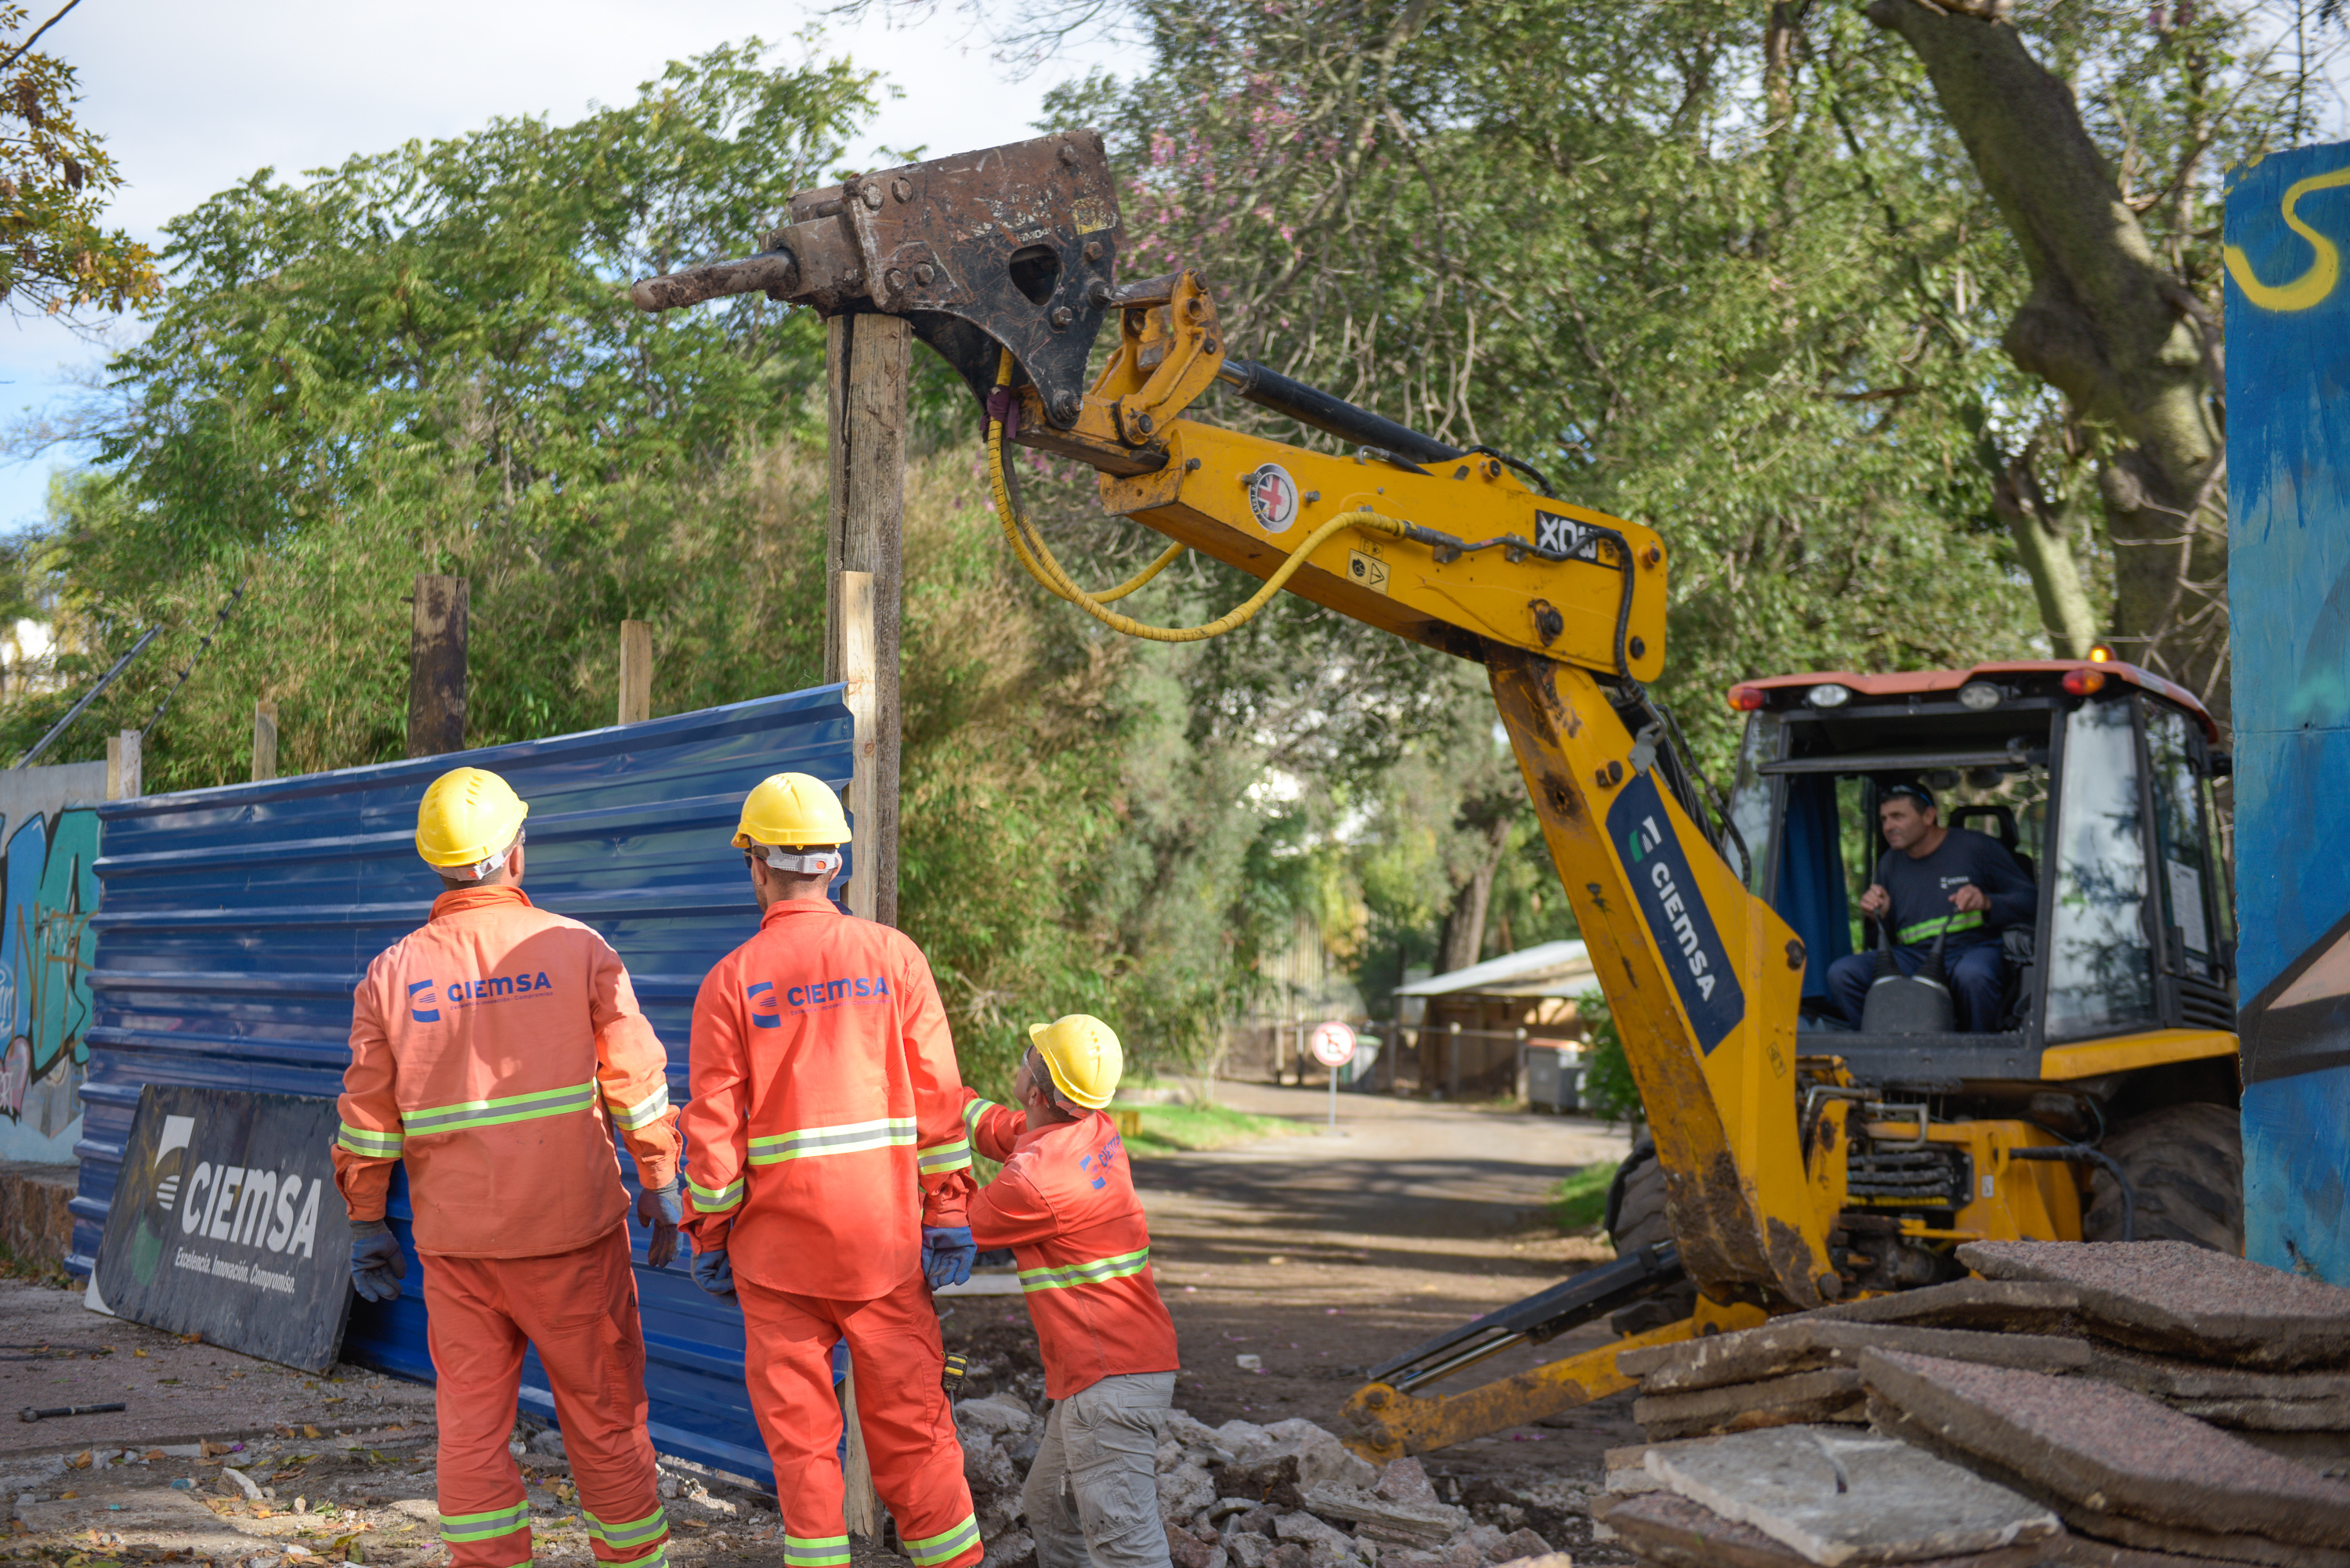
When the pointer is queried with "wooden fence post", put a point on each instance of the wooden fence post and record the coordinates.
(265, 740)
(436, 667)
(866, 360)
(636, 672)
(122, 765)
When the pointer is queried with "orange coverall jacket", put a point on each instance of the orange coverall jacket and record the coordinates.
(494, 1049)
(1065, 1204)
(825, 1128)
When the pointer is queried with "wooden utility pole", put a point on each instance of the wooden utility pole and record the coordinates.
(636, 672)
(436, 667)
(866, 360)
(122, 765)
(265, 740)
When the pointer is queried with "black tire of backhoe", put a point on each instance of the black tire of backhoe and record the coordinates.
(2186, 1163)
(1636, 1220)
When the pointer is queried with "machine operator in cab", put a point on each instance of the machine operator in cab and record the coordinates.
(1951, 883)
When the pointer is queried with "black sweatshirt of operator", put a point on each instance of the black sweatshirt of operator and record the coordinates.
(1921, 892)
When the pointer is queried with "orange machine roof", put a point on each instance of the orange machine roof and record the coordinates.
(1917, 682)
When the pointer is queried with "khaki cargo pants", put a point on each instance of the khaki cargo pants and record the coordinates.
(1092, 1495)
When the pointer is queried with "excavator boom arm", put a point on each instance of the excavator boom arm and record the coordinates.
(1009, 251)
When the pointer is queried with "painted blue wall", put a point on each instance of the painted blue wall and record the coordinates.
(2288, 336)
(236, 922)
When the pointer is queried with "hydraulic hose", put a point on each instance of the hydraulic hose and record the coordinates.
(1029, 547)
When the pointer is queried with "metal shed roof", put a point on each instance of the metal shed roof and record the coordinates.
(1549, 969)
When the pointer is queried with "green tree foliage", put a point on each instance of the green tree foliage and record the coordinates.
(55, 177)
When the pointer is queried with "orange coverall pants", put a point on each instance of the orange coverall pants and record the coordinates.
(909, 1430)
(580, 1310)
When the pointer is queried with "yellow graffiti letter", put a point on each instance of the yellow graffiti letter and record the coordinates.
(2311, 287)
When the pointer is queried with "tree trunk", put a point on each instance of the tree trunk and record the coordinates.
(2108, 325)
(1463, 940)
(2042, 531)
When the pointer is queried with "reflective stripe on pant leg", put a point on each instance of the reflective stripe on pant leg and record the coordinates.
(909, 1430)
(632, 1536)
(477, 1349)
(486, 1526)
(656, 1558)
(580, 1311)
(814, 1551)
(946, 1546)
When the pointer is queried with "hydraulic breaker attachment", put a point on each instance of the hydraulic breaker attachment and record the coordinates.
(1389, 1424)
(1589, 1296)
(1011, 247)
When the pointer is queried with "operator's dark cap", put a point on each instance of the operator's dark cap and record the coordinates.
(1917, 792)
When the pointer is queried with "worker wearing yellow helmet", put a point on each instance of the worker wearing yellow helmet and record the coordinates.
(493, 1052)
(1066, 1205)
(828, 1176)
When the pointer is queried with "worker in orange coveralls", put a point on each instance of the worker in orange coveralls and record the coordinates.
(827, 1174)
(494, 1050)
(1065, 1204)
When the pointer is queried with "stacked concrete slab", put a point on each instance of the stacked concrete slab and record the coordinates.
(2147, 1404)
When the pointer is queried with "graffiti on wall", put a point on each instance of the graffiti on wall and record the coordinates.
(49, 890)
(2288, 325)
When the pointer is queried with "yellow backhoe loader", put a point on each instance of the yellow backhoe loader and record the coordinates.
(1790, 1159)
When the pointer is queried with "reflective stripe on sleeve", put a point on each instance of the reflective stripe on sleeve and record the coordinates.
(814, 1551)
(487, 1526)
(708, 1201)
(644, 1112)
(973, 1112)
(474, 1115)
(940, 1158)
(1094, 1273)
(636, 1533)
(933, 1549)
(369, 1144)
(855, 1138)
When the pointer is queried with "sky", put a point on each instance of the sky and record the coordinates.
(194, 95)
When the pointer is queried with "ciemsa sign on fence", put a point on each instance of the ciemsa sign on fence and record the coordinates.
(226, 1222)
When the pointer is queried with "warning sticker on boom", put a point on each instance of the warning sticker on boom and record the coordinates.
(1676, 912)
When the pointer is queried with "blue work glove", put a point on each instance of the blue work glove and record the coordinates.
(663, 1209)
(714, 1271)
(376, 1264)
(948, 1253)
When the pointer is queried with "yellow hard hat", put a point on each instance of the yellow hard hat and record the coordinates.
(791, 809)
(1083, 1054)
(468, 816)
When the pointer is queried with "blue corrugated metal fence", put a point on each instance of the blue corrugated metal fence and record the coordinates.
(236, 921)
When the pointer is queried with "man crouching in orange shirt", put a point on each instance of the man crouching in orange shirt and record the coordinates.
(1065, 1204)
(496, 1051)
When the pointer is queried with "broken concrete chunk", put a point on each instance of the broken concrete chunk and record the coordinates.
(1671, 1531)
(1321, 1457)
(1406, 1480)
(1843, 1498)
(1400, 1523)
(2114, 1451)
(1185, 1490)
(997, 1415)
(1321, 1540)
(2014, 1306)
(2192, 1548)
(1522, 1546)
(1808, 1343)
(1832, 1394)
(2184, 1300)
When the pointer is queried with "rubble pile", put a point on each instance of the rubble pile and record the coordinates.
(1287, 1495)
(2143, 1405)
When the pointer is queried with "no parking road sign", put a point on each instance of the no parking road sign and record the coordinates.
(1332, 1044)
